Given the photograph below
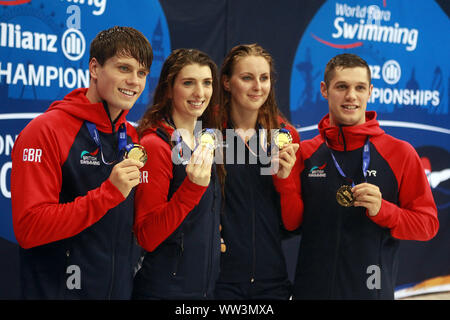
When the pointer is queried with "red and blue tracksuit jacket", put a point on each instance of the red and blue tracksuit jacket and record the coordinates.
(67, 216)
(345, 253)
(177, 223)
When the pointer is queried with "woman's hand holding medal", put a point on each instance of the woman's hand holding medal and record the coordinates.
(285, 158)
(198, 169)
(369, 196)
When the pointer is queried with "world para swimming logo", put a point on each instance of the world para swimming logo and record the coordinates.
(394, 41)
(13, 2)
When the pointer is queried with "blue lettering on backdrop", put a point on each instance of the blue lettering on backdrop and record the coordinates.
(411, 80)
(44, 54)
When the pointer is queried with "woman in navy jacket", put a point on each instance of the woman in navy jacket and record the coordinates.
(178, 199)
(254, 179)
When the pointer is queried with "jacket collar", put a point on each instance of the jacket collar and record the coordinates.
(347, 138)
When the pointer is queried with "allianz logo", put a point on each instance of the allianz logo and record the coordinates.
(73, 43)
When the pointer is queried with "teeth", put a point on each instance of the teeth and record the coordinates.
(196, 103)
(127, 92)
(350, 107)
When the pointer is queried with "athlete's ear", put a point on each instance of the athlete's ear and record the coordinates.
(323, 89)
(93, 68)
(370, 90)
(226, 83)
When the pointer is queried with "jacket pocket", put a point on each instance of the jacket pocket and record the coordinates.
(178, 255)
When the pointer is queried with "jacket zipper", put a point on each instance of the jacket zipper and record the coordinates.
(179, 255)
(113, 255)
(253, 242)
(252, 279)
(211, 239)
(338, 237)
(336, 251)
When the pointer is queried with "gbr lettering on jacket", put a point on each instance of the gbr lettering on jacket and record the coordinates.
(32, 155)
(143, 176)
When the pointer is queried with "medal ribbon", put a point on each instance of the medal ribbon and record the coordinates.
(261, 135)
(95, 136)
(365, 162)
(178, 136)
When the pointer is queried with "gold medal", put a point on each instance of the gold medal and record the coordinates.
(344, 196)
(207, 138)
(282, 137)
(223, 247)
(136, 152)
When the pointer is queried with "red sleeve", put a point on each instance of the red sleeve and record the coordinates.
(131, 132)
(156, 217)
(36, 179)
(416, 216)
(290, 190)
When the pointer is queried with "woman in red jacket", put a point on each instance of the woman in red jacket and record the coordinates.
(178, 199)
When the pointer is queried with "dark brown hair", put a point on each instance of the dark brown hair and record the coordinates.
(344, 60)
(123, 41)
(161, 107)
(268, 113)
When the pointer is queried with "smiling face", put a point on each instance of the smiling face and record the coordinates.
(191, 92)
(249, 83)
(119, 81)
(347, 93)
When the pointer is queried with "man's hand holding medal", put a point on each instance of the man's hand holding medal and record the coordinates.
(369, 196)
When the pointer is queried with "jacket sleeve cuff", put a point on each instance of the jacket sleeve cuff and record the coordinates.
(386, 216)
(192, 192)
(113, 196)
(286, 185)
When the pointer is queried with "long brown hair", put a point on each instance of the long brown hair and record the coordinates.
(161, 108)
(268, 113)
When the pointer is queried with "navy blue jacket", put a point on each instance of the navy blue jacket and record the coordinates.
(251, 219)
(344, 252)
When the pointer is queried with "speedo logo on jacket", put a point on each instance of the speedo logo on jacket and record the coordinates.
(318, 171)
(89, 158)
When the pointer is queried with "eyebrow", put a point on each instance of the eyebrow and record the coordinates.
(190, 78)
(345, 82)
(251, 73)
(124, 63)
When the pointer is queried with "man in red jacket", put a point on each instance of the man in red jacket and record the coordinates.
(361, 191)
(72, 196)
